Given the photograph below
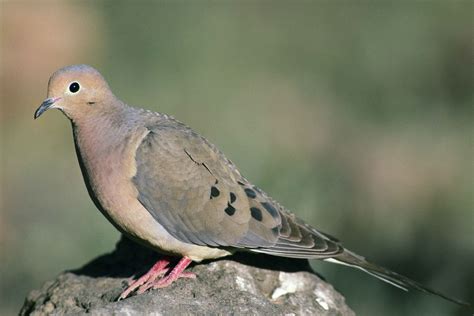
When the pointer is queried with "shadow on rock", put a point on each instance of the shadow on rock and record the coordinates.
(130, 258)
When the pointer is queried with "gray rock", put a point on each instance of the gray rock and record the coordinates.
(244, 284)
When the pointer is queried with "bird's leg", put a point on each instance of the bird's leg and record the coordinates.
(158, 269)
(176, 273)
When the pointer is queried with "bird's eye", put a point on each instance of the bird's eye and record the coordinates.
(74, 87)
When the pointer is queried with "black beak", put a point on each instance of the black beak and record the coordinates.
(45, 106)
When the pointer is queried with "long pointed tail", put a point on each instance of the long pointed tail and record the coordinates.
(351, 259)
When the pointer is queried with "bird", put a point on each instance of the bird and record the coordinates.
(166, 187)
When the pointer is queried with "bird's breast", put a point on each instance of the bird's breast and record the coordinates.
(108, 166)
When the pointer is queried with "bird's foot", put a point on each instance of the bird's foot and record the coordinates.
(160, 268)
(157, 270)
(176, 273)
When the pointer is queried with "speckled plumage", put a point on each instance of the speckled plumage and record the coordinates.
(165, 186)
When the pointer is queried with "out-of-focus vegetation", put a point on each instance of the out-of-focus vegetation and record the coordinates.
(356, 116)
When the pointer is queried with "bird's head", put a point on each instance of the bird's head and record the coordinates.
(77, 91)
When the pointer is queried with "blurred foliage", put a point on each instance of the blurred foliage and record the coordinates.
(356, 116)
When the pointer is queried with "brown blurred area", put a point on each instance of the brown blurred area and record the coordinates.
(356, 117)
(36, 39)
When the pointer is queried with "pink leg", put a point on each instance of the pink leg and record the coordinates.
(158, 269)
(176, 273)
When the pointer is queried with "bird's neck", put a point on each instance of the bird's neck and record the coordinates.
(101, 133)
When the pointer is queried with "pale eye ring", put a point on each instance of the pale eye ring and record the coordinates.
(74, 87)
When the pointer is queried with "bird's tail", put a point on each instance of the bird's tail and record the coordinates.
(351, 259)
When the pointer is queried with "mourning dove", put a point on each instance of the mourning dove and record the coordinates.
(165, 186)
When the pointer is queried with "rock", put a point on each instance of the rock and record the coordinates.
(245, 283)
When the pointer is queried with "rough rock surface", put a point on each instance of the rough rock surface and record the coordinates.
(244, 284)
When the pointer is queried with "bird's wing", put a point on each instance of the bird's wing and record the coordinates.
(199, 197)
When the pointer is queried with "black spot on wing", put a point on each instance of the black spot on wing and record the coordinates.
(230, 210)
(256, 213)
(250, 193)
(273, 212)
(214, 192)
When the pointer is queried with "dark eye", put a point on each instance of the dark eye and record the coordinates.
(74, 87)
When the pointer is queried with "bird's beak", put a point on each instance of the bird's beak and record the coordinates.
(48, 103)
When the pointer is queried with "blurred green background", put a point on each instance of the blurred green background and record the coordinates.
(356, 116)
